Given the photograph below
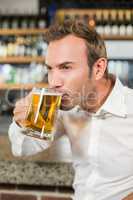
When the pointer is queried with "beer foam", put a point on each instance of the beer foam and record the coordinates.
(48, 93)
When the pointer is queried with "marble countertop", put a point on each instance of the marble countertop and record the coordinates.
(36, 173)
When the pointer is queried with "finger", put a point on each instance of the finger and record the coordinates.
(24, 101)
(20, 110)
(22, 123)
(20, 116)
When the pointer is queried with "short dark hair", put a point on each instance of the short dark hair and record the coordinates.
(95, 45)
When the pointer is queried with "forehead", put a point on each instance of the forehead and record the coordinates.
(68, 48)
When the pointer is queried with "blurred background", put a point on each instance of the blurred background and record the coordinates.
(23, 50)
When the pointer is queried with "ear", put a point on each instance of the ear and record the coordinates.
(99, 68)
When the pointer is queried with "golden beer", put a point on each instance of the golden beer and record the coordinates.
(42, 113)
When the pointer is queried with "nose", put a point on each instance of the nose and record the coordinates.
(55, 80)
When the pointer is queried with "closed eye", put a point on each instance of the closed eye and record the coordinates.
(63, 66)
(49, 68)
(66, 67)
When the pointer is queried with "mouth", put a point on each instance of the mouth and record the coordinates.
(65, 96)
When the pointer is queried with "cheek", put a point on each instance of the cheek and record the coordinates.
(76, 79)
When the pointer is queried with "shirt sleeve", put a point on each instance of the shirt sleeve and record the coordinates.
(23, 145)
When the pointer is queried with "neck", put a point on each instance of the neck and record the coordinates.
(102, 91)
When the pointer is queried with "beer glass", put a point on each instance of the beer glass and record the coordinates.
(42, 113)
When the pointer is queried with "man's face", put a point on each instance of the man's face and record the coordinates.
(68, 70)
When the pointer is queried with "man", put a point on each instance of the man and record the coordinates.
(96, 114)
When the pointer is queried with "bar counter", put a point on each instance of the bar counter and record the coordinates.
(50, 167)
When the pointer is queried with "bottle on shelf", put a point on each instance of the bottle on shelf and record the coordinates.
(5, 23)
(115, 25)
(108, 25)
(67, 17)
(92, 21)
(122, 27)
(129, 27)
(32, 23)
(23, 22)
(22, 46)
(10, 46)
(85, 18)
(15, 23)
(31, 73)
(41, 23)
(100, 23)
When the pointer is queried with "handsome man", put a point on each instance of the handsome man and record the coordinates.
(96, 114)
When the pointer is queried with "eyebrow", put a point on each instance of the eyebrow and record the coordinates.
(59, 65)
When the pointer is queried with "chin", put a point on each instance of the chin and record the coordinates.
(65, 107)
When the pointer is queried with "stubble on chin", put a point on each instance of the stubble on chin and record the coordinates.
(90, 100)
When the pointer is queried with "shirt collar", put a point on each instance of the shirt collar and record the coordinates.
(115, 103)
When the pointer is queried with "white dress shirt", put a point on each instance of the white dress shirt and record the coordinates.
(101, 143)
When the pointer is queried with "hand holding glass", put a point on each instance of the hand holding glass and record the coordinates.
(42, 113)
